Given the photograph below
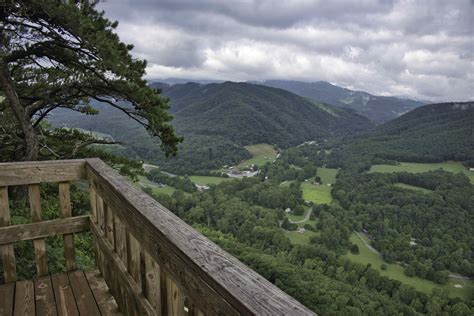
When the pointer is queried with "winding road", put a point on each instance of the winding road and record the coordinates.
(306, 218)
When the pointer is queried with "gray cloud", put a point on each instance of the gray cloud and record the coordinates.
(422, 49)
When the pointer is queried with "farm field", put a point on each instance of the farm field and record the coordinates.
(395, 271)
(412, 187)
(318, 194)
(262, 153)
(450, 166)
(327, 175)
(144, 182)
(207, 180)
(300, 238)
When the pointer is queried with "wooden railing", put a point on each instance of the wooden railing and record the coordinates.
(152, 262)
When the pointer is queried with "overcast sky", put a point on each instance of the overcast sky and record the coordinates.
(422, 49)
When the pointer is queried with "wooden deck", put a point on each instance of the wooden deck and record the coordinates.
(72, 293)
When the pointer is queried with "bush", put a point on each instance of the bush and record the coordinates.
(383, 267)
(355, 249)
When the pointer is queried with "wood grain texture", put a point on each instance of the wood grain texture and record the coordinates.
(84, 298)
(133, 259)
(6, 250)
(20, 173)
(216, 281)
(65, 300)
(66, 212)
(44, 297)
(175, 298)
(131, 299)
(152, 283)
(44, 229)
(39, 244)
(105, 301)
(24, 298)
(7, 293)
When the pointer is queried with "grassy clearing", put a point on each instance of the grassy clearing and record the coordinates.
(450, 166)
(319, 194)
(327, 175)
(395, 271)
(207, 180)
(144, 182)
(412, 187)
(262, 153)
(300, 238)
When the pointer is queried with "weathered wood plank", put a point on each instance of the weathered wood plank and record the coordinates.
(133, 259)
(216, 281)
(44, 296)
(152, 283)
(24, 298)
(120, 240)
(44, 229)
(93, 202)
(109, 223)
(39, 244)
(65, 300)
(131, 301)
(66, 212)
(21, 173)
(7, 251)
(84, 298)
(105, 300)
(7, 293)
(175, 298)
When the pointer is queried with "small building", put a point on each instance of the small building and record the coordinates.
(471, 169)
(288, 210)
(301, 230)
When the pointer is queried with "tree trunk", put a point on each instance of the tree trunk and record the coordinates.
(31, 138)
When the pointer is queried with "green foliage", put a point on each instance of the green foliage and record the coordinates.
(62, 55)
(184, 184)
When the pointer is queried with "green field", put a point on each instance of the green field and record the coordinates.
(450, 166)
(207, 180)
(300, 238)
(327, 175)
(412, 187)
(395, 271)
(318, 194)
(262, 153)
(144, 182)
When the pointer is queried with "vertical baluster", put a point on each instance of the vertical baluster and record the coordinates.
(66, 211)
(152, 283)
(133, 259)
(175, 298)
(120, 239)
(93, 202)
(39, 244)
(109, 223)
(8, 254)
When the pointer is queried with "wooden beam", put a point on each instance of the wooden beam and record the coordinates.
(7, 251)
(66, 212)
(34, 195)
(129, 286)
(20, 173)
(213, 279)
(44, 229)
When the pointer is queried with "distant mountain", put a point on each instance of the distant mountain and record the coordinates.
(380, 109)
(431, 133)
(218, 119)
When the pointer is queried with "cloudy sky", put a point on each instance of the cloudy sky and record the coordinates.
(422, 49)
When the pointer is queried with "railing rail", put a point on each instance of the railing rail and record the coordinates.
(153, 262)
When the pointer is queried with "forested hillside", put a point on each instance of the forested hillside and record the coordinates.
(432, 133)
(378, 108)
(218, 119)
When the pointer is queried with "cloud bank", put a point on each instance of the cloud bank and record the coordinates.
(419, 49)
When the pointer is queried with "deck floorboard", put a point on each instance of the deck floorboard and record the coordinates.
(73, 293)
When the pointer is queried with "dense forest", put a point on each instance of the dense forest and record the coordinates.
(431, 133)
(379, 109)
(216, 120)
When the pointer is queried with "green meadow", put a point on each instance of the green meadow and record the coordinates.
(395, 271)
(450, 166)
(262, 153)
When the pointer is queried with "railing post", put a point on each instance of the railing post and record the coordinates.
(39, 244)
(66, 212)
(8, 254)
